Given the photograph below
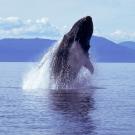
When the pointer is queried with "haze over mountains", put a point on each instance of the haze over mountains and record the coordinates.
(29, 50)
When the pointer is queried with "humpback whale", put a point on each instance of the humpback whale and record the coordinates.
(72, 53)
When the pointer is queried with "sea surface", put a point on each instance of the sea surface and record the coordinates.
(105, 108)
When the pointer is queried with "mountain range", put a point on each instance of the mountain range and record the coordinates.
(30, 50)
(104, 50)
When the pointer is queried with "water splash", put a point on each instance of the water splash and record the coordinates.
(39, 77)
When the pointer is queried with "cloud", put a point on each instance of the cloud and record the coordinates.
(117, 35)
(14, 27)
(121, 35)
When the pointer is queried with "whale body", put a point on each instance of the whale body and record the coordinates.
(72, 53)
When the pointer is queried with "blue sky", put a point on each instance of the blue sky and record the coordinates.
(113, 19)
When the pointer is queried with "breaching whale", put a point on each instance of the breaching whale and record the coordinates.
(72, 53)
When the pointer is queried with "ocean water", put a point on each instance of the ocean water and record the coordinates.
(105, 108)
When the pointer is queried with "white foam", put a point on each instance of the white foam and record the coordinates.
(39, 76)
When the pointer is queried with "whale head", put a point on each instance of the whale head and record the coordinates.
(81, 32)
(78, 42)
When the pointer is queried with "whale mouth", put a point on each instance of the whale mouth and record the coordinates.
(82, 31)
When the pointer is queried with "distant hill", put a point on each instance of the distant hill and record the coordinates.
(23, 49)
(129, 44)
(104, 50)
(28, 50)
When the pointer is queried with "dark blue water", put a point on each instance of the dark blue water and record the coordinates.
(106, 108)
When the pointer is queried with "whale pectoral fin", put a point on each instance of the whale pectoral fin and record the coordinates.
(89, 66)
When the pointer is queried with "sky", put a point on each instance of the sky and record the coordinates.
(113, 19)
